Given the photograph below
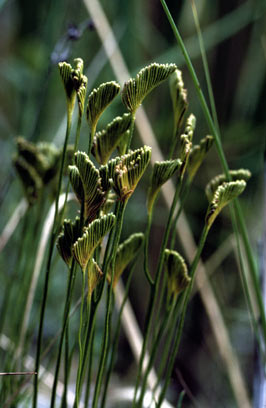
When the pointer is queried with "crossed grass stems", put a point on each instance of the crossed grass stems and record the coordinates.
(122, 174)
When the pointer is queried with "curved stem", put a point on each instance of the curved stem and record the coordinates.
(146, 249)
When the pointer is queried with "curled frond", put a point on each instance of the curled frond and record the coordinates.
(225, 193)
(186, 142)
(110, 201)
(106, 141)
(129, 170)
(135, 90)
(98, 101)
(84, 247)
(86, 183)
(177, 273)
(240, 174)
(179, 99)
(162, 171)
(66, 239)
(75, 83)
(95, 274)
(197, 156)
(126, 252)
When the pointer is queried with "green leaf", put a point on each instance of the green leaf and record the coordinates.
(66, 239)
(84, 247)
(86, 183)
(135, 90)
(177, 273)
(123, 143)
(107, 172)
(98, 101)
(129, 170)
(162, 171)
(179, 99)
(225, 193)
(197, 155)
(95, 274)
(106, 141)
(240, 174)
(126, 252)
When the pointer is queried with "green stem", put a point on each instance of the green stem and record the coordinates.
(81, 348)
(115, 341)
(155, 291)
(184, 196)
(108, 309)
(237, 208)
(48, 266)
(154, 349)
(182, 317)
(146, 248)
(70, 286)
(131, 131)
(88, 388)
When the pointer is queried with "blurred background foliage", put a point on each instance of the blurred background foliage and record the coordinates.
(35, 36)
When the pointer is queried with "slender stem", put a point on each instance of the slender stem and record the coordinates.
(106, 335)
(88, 388)
(183, 198)
(115, 341)
(154, 349)
(146, 249)
(237, 207)
(131, 131)
(70, 286)
(154, 292)
(48, 266)
(182, 317)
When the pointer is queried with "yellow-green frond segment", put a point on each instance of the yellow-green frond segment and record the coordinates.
(129, 170)
(135, 90)
(106, 141)
(66, 239)
(98, 101)
(162, 171)
(225, 193)
(177, 272)
(107, 172)
(84, 247)
(186, 142)
(197, 156)
(86, 183)
(66, 71)
(126, 252)
(240, 174)
(95, 274)
(179, 99)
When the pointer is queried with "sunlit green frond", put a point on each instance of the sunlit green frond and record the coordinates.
(179, 99)
(162, 171)
(135, 90)
(98, 101)
(240, 174)
(86, 183)
(126, 252)
(95, 274)
(186, 142)
(129, 170)
(177, 273)
(66, 239)
(31, 180)
(225, 193)
(106, 141)
(190, 126)
(197, 156)
(84, 247)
